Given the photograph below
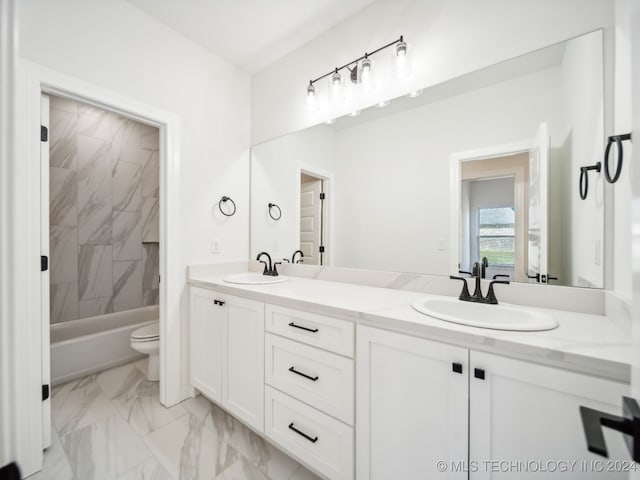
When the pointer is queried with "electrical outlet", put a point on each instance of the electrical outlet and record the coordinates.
(442, 244)
(215, 245)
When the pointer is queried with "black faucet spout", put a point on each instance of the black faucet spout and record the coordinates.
(293, 257)
(268, 269)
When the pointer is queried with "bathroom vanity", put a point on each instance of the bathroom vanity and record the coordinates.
(481, 175)
(354, 383)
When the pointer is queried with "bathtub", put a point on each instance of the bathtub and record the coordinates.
(88, 345)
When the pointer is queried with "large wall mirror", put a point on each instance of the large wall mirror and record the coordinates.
(481, 170)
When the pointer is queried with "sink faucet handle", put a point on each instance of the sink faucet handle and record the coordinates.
(274, 272)
(491, 296)
(464, 294)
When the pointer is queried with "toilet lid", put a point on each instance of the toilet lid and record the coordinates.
(148, 332)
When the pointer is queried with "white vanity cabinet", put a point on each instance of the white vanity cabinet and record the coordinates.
(524, 412)
(413, 410)
(411, 406)
(227, 352)
(206, 334)
(309, 391)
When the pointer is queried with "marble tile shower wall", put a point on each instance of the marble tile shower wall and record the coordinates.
(104, 190)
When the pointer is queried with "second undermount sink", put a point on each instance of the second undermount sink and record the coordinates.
(496, 317)
(251, 278)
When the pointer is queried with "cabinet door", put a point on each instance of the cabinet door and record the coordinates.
(206, 334)
(243, 350)
(411, 407)
(525, 417)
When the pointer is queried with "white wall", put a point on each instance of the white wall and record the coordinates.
(621, 191)
(583, 110)
(275, 178)
(118, 47)
(448, 38)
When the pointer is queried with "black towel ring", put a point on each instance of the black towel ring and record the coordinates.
(584, 178)
(271, 206)
(226, 199)
(618, 139)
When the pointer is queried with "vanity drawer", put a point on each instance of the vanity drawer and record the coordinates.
(317, 330)
(322, 379)
(321, 441)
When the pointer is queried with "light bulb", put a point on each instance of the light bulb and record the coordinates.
(311, 96)
(365, 71)
(401, 60)
(383, 103)
(337, 92)
(414, 93)
(331, 121)
(355, 113)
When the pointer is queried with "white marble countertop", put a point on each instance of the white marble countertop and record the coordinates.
(591, 344)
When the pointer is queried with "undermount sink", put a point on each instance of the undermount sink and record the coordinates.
(496, 317)
(253, 279)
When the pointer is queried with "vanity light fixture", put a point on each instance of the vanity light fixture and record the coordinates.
(331, 121)
(361, 72)
(414, 93)
(355, 113)
(383, 103)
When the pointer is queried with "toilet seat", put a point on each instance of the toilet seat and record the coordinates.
(147, 333)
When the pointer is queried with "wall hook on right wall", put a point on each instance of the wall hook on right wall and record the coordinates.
(618, 139)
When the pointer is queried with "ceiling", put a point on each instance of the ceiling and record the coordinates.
(251, 34)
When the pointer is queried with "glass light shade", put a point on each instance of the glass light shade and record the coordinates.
(401, 60)
(336, 87)
(366, 74)
(311, 97)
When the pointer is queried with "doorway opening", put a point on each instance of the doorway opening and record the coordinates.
(100, 242)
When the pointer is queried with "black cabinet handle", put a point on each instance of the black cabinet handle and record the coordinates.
(218, 302)
(312, 330)
(628, 424)
(293, 370)
(311, 439)
(478, 373)
(456, 367)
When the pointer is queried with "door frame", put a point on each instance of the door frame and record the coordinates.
(327, 212)
(35, 80)
(455, 176)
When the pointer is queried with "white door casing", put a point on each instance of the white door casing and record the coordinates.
(34, 80)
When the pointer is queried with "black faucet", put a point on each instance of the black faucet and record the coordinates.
(484, 265)
(268, 269)
(477, 294)
(293, 257)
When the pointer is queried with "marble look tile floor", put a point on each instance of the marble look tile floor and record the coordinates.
(111, 426)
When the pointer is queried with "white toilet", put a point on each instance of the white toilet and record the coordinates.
(146, 340)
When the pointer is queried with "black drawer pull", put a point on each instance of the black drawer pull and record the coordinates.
(293, 370)
(456, 367)
(312, 330)
(478, 373)
(218, 302)
(311, 439)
